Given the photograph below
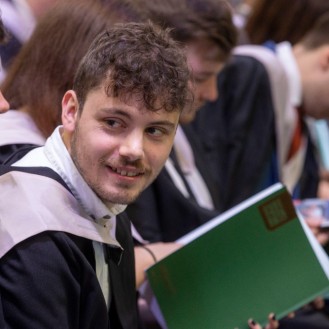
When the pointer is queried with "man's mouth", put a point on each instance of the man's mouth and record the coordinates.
(127, 173)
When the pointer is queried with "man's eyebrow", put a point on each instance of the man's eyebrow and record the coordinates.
(166, 123)
(118, 111)
(203, 73)
(114, 111)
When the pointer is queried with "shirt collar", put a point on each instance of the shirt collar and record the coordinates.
(286, 56)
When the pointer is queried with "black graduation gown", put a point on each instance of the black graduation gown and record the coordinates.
(48, 280)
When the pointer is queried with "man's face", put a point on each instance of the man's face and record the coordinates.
(202, 58)
(316, 94)
(119, 149)
(313, 65)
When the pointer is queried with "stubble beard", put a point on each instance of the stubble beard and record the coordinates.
(121, 196)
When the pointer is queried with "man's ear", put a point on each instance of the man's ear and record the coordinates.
(70, 110)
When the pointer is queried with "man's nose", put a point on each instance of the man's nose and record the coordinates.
(210, 91)
(133, 146)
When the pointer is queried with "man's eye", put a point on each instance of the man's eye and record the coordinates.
(157, 132)
(199, 80)
(113, 123)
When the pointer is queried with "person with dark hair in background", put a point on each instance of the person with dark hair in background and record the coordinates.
(256, 133)
(277, 20)
(260, 98)
(184, 195)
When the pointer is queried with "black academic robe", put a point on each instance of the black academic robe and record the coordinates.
(48, 280)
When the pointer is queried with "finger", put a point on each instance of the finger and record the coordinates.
(322, 237)
(318, 303)
(253, 325)
(273, 323)
(314, 222)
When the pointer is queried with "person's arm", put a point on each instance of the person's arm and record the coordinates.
(147, 255)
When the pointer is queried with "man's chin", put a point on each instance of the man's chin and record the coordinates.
(122, 198)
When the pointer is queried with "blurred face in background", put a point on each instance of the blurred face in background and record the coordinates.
(203, 60)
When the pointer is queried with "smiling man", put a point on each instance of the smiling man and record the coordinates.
(66, 250)
(122, 149)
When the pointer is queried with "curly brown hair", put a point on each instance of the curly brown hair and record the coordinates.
(137, 61)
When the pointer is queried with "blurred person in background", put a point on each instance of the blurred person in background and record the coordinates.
(20, 18)
(280, 20)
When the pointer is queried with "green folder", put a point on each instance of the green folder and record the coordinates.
(257, 258)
